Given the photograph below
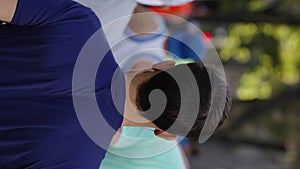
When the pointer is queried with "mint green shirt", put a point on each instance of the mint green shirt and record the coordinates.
(139, 148)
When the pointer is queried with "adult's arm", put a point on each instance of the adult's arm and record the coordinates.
(7, 9)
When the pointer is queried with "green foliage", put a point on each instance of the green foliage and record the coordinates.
(257, 5)
(275, 7)
(271, 54)
(271, 50)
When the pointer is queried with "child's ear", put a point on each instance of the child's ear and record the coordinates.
(165, 135)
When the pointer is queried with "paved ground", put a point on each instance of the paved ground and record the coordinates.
(220, 155)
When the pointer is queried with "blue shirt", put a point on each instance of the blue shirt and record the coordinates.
(38, 124)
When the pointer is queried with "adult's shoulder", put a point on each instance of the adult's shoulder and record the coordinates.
(32, 13)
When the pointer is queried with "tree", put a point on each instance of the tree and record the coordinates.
(263, 36)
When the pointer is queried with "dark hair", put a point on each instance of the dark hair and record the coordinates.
(165, 82)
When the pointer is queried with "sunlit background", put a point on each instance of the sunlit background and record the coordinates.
(259, 44)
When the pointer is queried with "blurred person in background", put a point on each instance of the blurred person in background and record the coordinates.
(116, 11)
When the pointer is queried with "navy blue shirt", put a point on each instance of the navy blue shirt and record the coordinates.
(38, 124)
